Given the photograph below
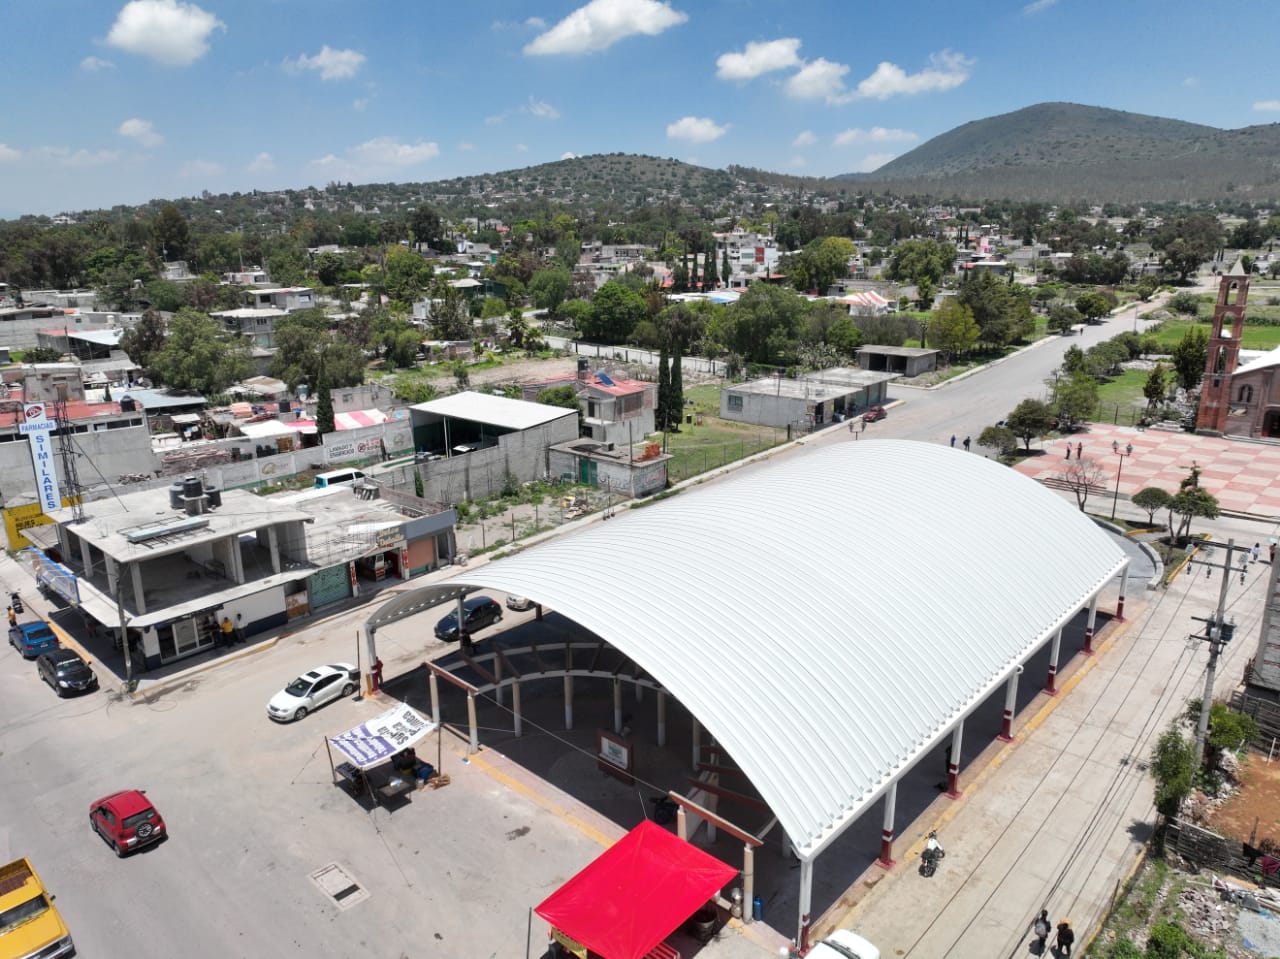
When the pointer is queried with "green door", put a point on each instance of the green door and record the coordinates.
(588, 472)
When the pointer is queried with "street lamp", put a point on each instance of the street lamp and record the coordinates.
(1128, 451)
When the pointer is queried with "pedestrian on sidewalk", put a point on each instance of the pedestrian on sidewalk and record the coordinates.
(1065, 938)
(966, 444)
(1041, 929)
(1257, 549)
(1271, 552)
(13, 618)
(1068, 451)
(1079, 451)
(953, 440)
(240, 628)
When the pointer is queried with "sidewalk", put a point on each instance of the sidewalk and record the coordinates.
(1059, 818)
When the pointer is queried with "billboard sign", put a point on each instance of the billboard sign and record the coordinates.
(39, 430)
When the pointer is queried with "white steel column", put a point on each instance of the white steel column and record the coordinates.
(886, 832)
(806, 903)
(518, 719)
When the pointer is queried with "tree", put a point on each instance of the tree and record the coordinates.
(171, 234)
(820, 263)
(1186, 242)
(324, 410)
(663, 412)
(41, 354)
(615, 311)
(199, 354)
(914, 261)
(925, 292)
(144, 339)
(1029, 419)
(726, 274)
(1187, 504)
(1147, 287)
(1092, 305)
(764, 323)
(882, 329)
(1190, 357)
(1076, 398)
(1000, 439)
(450, 312)
(564, 396)
(425, 224)
(1173, 766)
(1151, 498)
(1156, 385)
(305, 350)
(953, 328)
(1082, 477)
(675, 395)
(406, 274)
(1003, 312)
(1062, 318)
(549, 288)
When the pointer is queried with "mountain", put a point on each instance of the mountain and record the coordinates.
(1055, 151)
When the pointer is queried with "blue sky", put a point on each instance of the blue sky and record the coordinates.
(111, 102)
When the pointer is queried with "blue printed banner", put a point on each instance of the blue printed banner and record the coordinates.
(383, 736)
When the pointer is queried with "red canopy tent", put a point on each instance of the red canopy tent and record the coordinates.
(635, 893)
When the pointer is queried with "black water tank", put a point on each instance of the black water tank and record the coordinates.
(127, 405)
(215, 496)
(582, 365)
(284, 406)
(191, 488)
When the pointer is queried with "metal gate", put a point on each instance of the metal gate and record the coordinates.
(329, 586)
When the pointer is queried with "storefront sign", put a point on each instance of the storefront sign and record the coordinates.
(575, 947)
(39, 431)
(387, 538)
(614, 756)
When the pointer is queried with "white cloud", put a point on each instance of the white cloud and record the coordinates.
(873, 161)
(696, 129)
(331, 64)
(797, 162)
(8, 153)
(818, 79)
(465, 147)
(262, 163)
(140, 130)
(543, 111)
(1038, 6)
(522, 148)
(381, 156)
(94, 64)
(536, 23)
(169, 32)
(1268, 106)
(946, 71)
(856, 135)
(359, 104)
(65, 156)
(758, 58)
(568, 155)
(602, 23)
(805, 138)
(199, 168)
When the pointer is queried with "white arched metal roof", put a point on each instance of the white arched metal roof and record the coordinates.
(828, 617)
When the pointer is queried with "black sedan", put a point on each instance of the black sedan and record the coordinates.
(66, 672)
(477, 614)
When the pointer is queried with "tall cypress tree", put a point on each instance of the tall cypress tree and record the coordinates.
(708, 273)
(725, 272)
(675, 388)
(324, 411)
(662, 416)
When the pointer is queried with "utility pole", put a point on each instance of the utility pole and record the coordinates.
(1218, 632)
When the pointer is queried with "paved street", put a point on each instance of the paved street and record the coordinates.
(1054, 819)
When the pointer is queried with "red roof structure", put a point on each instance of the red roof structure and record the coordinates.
(636, 893)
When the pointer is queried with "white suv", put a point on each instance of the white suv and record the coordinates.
(843, 944)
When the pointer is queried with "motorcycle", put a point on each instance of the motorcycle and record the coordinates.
(933, 851)
(15, 601)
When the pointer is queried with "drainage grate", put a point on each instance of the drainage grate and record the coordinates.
(336, 883)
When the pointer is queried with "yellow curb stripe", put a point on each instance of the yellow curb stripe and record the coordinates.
(584, 827)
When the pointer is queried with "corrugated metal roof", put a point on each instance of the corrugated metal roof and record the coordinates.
(828, 618)
(494, 410)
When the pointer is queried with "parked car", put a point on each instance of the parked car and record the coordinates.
(311, 690)
(519, 603)
(873, 414)
(126, 821)
(66, 672)
(844, 944)
(477, 614)
(32, 639)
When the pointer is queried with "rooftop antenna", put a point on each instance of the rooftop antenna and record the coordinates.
(67, 454)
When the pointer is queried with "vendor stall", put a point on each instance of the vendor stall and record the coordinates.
(633, 896)
(386, 741)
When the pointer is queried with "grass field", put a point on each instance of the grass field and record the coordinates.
(1253, 338)
(697, 449)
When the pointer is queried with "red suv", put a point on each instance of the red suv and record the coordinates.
(873, 414)
(126, 820)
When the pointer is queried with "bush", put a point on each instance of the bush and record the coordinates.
(1185, 303)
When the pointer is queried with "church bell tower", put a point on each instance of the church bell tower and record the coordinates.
(1224, 351)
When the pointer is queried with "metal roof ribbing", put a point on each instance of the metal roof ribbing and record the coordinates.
(494, 410)
(828, 618)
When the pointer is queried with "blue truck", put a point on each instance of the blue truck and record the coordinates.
(32, 639)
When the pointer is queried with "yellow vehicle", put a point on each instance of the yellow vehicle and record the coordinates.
(29, 922)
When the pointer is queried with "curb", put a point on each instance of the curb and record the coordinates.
(162, 686)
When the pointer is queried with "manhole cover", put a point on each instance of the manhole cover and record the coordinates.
(336, 883)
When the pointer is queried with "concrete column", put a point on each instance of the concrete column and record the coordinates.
(139, 597)
(434, 682)
(662, 719)
(697, 742)
(497, 675)
(1089, 625)
(1055, 648)
(806, 903)
(886, 831)
(617, 706)
(86, 558)
(953, 762)
(1124, 586)
(682, 823)
(568, 702)
(237, 559)
(471, 722)
(273, 544)
(113, 575)
(515, 709)
(1010, 704)
(748, 880)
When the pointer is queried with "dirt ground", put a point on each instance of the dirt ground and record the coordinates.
(1258, 800)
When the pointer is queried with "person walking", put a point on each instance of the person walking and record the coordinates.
(1256, 551)
(953, 440)
(966, 444)
(1041, 930)
(1065, 938)
(1068, 451)
(1079, 451)
(13, 618)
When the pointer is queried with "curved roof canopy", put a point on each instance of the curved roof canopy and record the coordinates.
(828, 617)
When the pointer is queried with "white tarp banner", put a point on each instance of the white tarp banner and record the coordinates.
(383, 736)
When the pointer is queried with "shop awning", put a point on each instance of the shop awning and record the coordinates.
(383, 736)
(636, 893)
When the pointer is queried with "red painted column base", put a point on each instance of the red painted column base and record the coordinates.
(953, 782)
(1119, 617)
(886, 850)
(1088, 641)
(1051, 687)
(804, 934)
(1006, 728)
